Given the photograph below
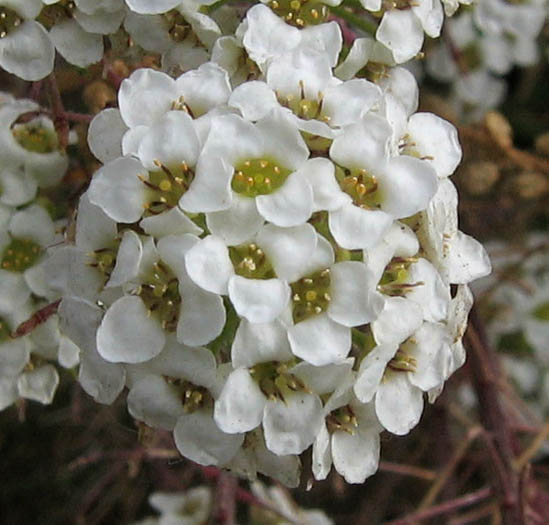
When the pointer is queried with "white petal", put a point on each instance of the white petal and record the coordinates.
(199, 439)
(402, 33)
(291, 425)
(155, 402)
(399, 404)
(202, 315)
(18, 187)
(28, 52)
(76, 45)
(319, 340)
(407, 186)
(128, 260)
(33, 223)
(127, 334)
(322, 454)
(282, 139)
(259, 343)
(145, 88)
(172, 222)
(209, 266)
(290, 205)
(238, 223)
(355, 456)
(39, 384)
(323, 379)
(372, 368)
(354, 298)
(253, 99)
(211, 187)
(467, 259)
(117, 190)
(146, 7)
(355, 228)
(258, 300)
(172, 140)
(435, 137)
(240, 405)
(327, 194)
(277, 243)
(94, 229)
(399, 319)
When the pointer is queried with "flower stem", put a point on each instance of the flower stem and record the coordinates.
(355, 20)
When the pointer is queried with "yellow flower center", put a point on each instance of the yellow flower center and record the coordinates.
(311, 295)
(20, 255)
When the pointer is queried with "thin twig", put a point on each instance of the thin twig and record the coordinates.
(444, 508)
(407, 470)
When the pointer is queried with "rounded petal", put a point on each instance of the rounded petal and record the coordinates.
(290, 426)
(117, 190)
(240, 405)
(399, 319)
(407, 186)
(402, 33)
(28, 52)
(354, 298)
(172, 222)
(39, 384)
(436, 139)
(18, 187)
(238, 223)
(356, 456)
(146, 88)
(76, 45)
(277, 243)
(127, 334)
(290, 205)
(172, 140)
(155, 402)
(355, 228)
(259, 343)
(399, 404)
(372, 368)
(199, 439)
(209, 266)
(201, 316)
(128, 260)
(258, 300)
(319, 340)
(253, 99)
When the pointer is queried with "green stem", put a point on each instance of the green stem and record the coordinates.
(355, 20)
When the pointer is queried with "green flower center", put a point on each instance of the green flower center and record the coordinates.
(541, 312)
(20, 255)
(34, 137)
(393, 282)
(255, 177)
(361, 186)
(159, 292)
(342, 418)
(300, 13)
(250, 261)
(104, 259)
(311, 295)
(9, 20)
(4, 330)
(275, 381)
(165, 187)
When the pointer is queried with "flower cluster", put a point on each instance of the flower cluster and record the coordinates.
(31, 163)
(483, 44)
(518, 313)
(265, 259)
(183, 31)
(194, 506)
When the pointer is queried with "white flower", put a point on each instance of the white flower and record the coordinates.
(25, 47)
(302, 81)
(398, 374)
(263, 163)
(31, 146)
(381, 188)
(161, 299)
